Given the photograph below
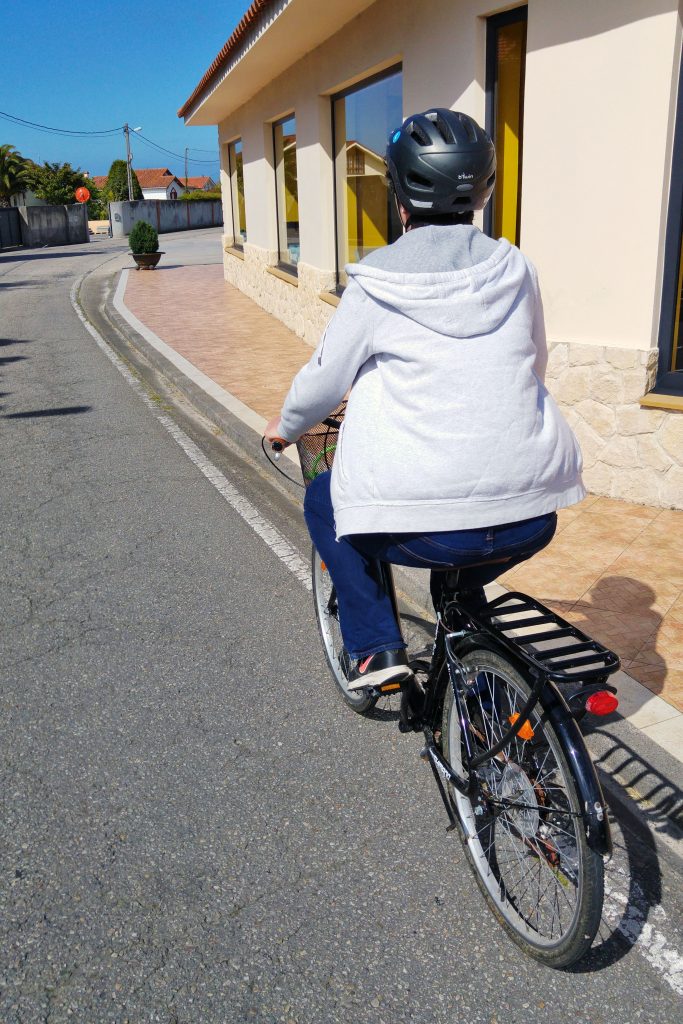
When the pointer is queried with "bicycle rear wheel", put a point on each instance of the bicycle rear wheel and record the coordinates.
(522, 830)
(327, 615)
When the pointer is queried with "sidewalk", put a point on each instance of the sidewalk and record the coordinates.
(614, 568)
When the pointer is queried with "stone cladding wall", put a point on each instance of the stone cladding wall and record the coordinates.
(629, 452)
(297, 304)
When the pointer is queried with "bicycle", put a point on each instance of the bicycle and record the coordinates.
(498, 704)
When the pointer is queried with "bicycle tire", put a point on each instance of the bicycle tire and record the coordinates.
(546, 833)
(327, 618)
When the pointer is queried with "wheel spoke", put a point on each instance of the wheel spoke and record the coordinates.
(527, 848)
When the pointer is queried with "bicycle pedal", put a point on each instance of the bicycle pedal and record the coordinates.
(388, 688)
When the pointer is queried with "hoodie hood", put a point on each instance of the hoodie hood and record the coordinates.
(458, 303)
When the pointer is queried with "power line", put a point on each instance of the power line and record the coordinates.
(57, 131)
(168, 152)
(104, 133)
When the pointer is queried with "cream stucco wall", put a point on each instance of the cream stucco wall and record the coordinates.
(374, 40)
(598, 126)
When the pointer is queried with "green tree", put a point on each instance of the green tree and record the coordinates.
(97, 204)
(116, 189)
(55, 183)
(13, 173)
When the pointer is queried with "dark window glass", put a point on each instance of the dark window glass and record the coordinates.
(366, 214)
(287, 191)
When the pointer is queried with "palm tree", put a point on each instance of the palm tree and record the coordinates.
(12, 174)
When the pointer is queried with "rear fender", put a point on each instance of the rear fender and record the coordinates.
(593, 807)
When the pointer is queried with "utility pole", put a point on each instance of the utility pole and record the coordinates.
(126, 132)
(186, 151)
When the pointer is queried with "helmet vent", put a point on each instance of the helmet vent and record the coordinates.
(491, 180)
(444, 129)
(469, 128)
(462, 201)
(419, 182)
(418, 133)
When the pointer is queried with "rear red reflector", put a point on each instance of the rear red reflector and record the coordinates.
(602, 703)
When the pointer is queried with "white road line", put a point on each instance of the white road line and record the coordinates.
(629, 918)
(259, 524)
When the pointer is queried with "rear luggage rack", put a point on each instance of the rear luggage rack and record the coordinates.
(549, 642)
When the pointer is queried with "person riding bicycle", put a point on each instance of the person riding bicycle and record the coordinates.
(452, 452)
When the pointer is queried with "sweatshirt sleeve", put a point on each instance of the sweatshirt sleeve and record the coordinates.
(538, 329)
(322, 383)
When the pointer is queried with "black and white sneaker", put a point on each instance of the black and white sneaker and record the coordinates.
(379, 670)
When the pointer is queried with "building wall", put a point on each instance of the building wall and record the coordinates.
(598, 125)
(162, 193)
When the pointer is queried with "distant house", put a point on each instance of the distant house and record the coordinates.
(201, 184)
(159, 183)
(155, 182)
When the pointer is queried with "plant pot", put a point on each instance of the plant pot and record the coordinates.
(146, 260)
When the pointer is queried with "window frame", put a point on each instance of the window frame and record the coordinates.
(493, 23)
(237, 242)
(669, 381)
(288, 268)
(371, 79)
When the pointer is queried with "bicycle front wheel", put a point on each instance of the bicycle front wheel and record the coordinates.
(522, 829)
(327, 614)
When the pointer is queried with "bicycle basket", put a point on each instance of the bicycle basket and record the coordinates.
(317, 447)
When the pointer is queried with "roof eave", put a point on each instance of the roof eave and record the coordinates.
(285, 31)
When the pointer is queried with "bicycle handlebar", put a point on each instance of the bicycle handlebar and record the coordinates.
(278, 445)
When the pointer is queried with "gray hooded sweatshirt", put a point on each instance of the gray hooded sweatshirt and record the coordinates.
(449, 426)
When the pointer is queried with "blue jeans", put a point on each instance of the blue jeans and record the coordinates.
(366, 616)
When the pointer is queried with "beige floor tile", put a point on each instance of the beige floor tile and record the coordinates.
(612, 506)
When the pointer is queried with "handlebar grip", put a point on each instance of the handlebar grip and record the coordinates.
(278, 444)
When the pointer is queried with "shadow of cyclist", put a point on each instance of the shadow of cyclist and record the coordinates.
(623, 613)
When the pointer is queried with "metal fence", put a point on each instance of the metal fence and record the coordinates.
(10, 228)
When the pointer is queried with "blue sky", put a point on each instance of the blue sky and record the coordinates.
(114, 62)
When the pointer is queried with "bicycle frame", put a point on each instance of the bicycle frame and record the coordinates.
(458, 632)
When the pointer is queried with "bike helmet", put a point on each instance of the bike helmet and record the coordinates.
(441, 161)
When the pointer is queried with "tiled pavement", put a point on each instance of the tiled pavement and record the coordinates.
(614, 568)
(223, 333)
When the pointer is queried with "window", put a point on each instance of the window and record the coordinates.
(670, 370)
(363, 117)
(239, 216)
(286, 191)
(173, 194)
(505, 62)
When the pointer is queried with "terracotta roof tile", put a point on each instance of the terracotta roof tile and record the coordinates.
(250, 17)
(200, 182)
(155, 177)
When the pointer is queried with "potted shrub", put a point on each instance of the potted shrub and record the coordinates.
(144, 245)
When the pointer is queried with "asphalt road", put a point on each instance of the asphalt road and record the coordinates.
(193, 827)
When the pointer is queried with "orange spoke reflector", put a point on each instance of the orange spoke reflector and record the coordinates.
(526, 732)
(323, 567)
